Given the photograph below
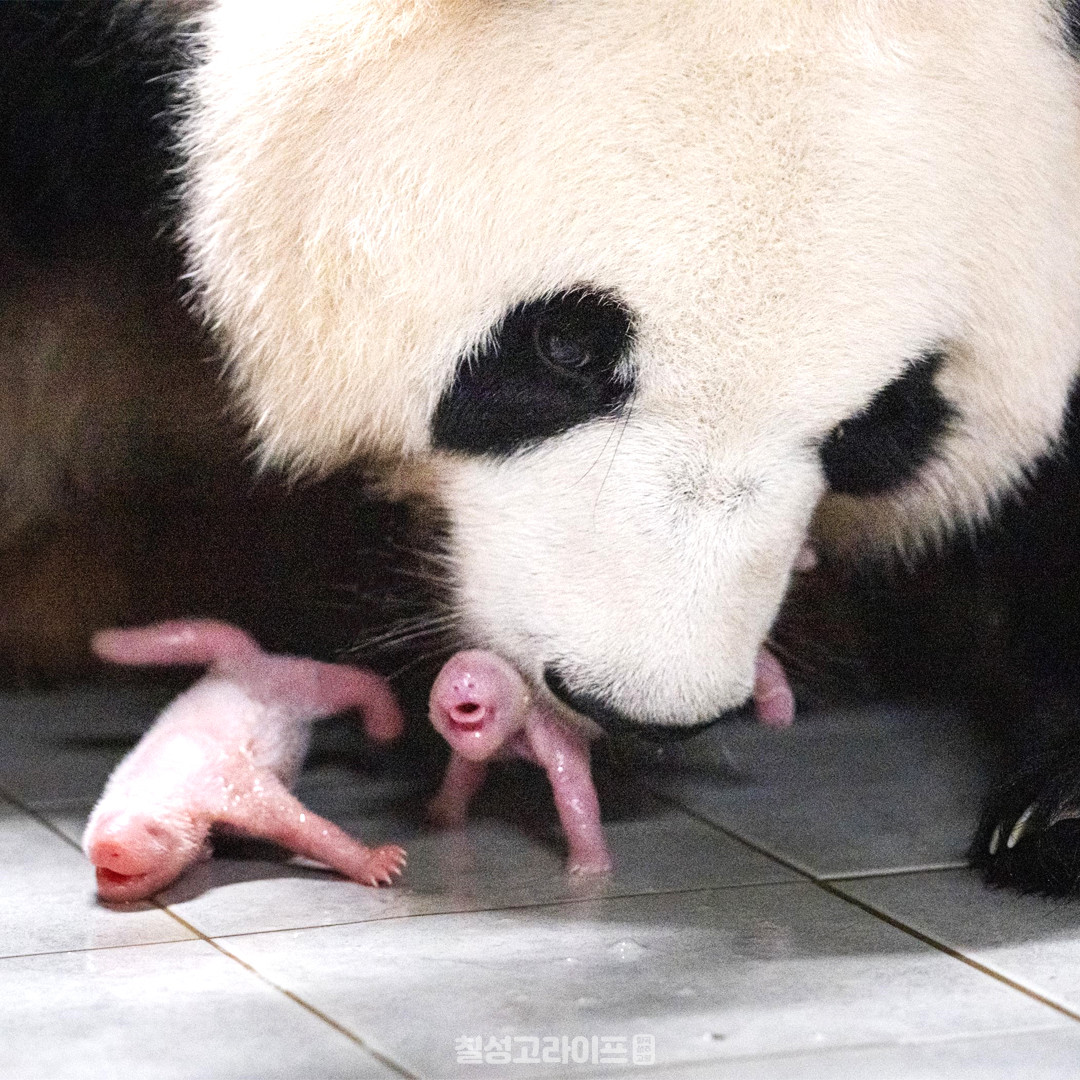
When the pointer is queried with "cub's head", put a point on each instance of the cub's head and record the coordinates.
(646, 290)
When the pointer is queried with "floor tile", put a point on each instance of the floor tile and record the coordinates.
(47, 897)
(710, 975)
(1041, 1055)
(732, 964)
(161, 1011)
(851, 792)
(1030, 939)
(492, 863)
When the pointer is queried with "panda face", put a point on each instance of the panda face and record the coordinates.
(651, 290)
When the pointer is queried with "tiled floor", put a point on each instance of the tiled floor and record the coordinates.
(785, 905)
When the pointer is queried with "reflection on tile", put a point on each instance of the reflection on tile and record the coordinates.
(711, 975)
(1030, 939)
(850, 792)
(179, 1010)
(1041, 1055)
(736, 966)
(490, 864)
(47, 897)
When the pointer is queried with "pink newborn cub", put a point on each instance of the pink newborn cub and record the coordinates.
(224, 754)
(484, 710)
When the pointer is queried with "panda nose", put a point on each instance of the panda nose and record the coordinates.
(612, 720)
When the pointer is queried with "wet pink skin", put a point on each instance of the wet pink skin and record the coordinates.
(483, 708)
(774, 702)
(224, 754)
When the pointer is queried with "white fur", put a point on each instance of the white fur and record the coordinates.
(794, 197)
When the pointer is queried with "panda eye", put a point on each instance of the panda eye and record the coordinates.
(883, 447)
(554, 347)
(548, 366)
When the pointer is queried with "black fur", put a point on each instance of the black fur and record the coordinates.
(1030, 705)
(613, 721)
(1071, 16)
(1034, 711)
(548, 366)
(1038, 814)
(993, 621)
(85, 85)
(883, 447)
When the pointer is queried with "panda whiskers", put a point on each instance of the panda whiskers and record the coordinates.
(814, 665)
(599, 457)
(433, 657)
(618, 442)
(791, 661)
(405, 632)
(398, 610)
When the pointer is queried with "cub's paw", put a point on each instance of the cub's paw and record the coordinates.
(385, 863)
(1029, 835)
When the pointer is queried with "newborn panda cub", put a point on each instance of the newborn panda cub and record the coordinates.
(225, 752)
(648, 294)
(223, 755)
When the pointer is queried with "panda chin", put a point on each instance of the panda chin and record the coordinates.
(614, 722)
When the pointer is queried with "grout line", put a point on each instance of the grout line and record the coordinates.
(827, 886)
(529, 905)
(1000, 977)
(40, 818)
(399, 1070)
(753, 846)
(199, 936)
(808, 875)
(95, 948)
(904, 871)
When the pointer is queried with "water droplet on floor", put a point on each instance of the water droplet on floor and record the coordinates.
(627, 950)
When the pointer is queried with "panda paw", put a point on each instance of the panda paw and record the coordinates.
(1029, 835)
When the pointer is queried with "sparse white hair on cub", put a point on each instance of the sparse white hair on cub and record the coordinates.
(793, 199)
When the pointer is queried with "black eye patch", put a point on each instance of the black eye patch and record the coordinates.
(549, 365)
(884, 446)
(1071, 16)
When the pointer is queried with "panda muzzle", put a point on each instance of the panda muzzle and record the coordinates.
(615, 722)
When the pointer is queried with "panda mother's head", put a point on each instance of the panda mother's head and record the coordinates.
(644, 285)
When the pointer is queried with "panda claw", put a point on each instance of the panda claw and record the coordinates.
(1020, 826)
(1029, 835)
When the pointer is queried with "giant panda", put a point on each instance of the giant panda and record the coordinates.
(649, 294)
